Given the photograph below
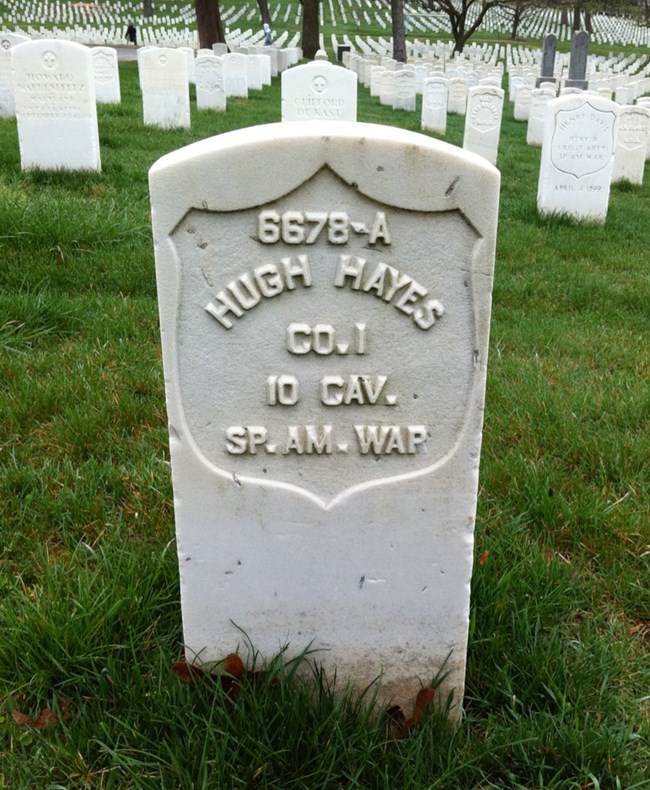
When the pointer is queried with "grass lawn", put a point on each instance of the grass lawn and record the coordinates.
(558, 684)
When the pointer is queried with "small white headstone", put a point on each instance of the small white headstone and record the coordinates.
(210, 93)
(7, 101)
(106, 75)
(522, 102)
(483, 121)
(539, 99)
(375, 80)
(434, 105)
(235, 74)
(457, 95)
(319, 91)
(325, 337)
(577, 157)
(631, 144)
(165, 87)
(254, 74)
(387, 87)
(405, 96)
(55, 106)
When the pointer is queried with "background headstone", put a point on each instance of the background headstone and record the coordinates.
(106, 75)
(319, 91)
(208, 75)
(631, 144)
(548, 60)
(165, 87)
(483, 121)
(577, 157)
(55, 106)
(7, 101)
(434, 105)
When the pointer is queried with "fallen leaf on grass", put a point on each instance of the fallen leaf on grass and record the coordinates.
(400, 725)
(482, 560)
(46, 717)
(230, 674)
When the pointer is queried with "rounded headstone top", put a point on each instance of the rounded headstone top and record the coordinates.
(321, 55)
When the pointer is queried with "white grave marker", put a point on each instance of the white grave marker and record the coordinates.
(7, 101)
(631, 144)
(457, 95)
(325, 337)
(235, 74)
(577, 156)
(106, 75)
(483, 121)
(319, 91)
(55, 106)
(208, 74)
(405, 96)
(539, 98)
(434, 105)
(165, 87)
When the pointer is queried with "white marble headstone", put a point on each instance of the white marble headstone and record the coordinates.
(539, 98)
(165, 87)
(325, 338)
(577, 156)
(235, 74)
(631, 144)
(106, 75)
(319, 91)
(483, 121)
(387, 87)
(7, 101)
(208, 75)
(457, 95)
(55, 106)
(434, 105)
(405, 96)
(523, 96)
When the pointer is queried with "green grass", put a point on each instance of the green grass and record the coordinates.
(558, 670)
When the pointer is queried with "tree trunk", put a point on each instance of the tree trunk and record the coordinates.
(399, 34)
(208, 21)
(458, 32)
(577, 23)
(564, 19)
(516, 19)
(147, 7)
(588, 26)
(310, 28)
(264, 11)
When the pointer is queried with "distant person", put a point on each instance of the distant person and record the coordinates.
(268, 34)
(131, 34)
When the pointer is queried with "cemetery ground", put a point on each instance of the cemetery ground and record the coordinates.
(558, 683)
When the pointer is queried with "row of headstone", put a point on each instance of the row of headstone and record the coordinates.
(104, 24)
(165, 75)
(105, 74)
(55, 85)
(590, 142)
